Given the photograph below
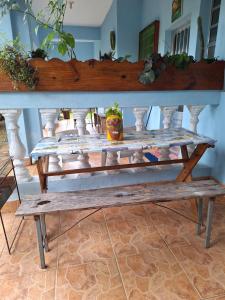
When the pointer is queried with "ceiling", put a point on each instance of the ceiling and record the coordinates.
(83, 12)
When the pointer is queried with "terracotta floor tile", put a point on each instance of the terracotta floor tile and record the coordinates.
(39, 285)
(25, 257)
(219, 298)
(97, 280)
(205, 268)
(173, 228)
(88, 241)
(155, 275)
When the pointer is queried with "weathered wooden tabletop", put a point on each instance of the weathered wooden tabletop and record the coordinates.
(161, 138)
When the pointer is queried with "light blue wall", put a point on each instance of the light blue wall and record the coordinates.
(220, 43)
(128, 25)
(5, 29)
(21, 28)
(109, 24)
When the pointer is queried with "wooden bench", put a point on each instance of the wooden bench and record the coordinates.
(39, 205)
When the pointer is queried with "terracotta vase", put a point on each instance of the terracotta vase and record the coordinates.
(114, 128)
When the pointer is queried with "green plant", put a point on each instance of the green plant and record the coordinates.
(51, 18)
(13, 62)
(114, 110)
(111, 56)
(156, 63)
(38, 53)
(180, 61)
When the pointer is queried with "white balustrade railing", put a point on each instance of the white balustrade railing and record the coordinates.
(167, 112)
(50, 116)
(16, 147)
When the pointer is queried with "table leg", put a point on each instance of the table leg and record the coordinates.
(40, 242)
(209, 222)
(44, 233)
(192, 162)
(200, 208)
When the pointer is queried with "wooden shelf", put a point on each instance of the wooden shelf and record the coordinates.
(59, 76)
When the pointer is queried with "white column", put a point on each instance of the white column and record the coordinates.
(195, 111)
(112, 160)
(167, 112)
(139, 113)
(138, 156)
(80, 115)
(50, 116)
(16, 148)
(83, 158)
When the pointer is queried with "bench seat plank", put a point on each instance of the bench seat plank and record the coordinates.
(119, 196)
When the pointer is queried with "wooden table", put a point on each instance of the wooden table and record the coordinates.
(135, 141)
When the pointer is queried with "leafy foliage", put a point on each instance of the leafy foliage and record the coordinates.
(114, 110)
(155, 64)
(14, 63)
(51, 18)
(39, 53)
(111, 56)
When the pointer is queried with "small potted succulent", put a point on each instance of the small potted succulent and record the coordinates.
(114, 123)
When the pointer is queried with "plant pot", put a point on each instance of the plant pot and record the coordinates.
(114, 128)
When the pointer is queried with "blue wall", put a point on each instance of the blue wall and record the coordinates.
(109, 24)
(129, 24)
(5, 29)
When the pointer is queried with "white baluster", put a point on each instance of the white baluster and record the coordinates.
(138, 156)
(80, 115)
(195, 111)
(139, 113)
(50, 116)
(16, 148)
(112, 160)
(167, 112)
(83, 158)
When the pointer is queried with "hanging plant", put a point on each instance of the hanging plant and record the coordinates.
(14, 63)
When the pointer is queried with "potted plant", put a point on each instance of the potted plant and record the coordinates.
(14, 63)
(114, 123)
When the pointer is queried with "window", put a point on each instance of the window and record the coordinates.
(215, 13)
(181, 40)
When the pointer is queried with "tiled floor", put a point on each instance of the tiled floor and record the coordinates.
(141, 252)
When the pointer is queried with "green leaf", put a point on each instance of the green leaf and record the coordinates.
(69, 39)
(62, 47)
(48, 39)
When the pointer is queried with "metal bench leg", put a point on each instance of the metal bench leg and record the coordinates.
(40, 241)
(200, 211)
(44, 233)
(209, 222)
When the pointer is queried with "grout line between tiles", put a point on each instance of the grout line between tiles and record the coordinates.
(117, 263)
(182, 268)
